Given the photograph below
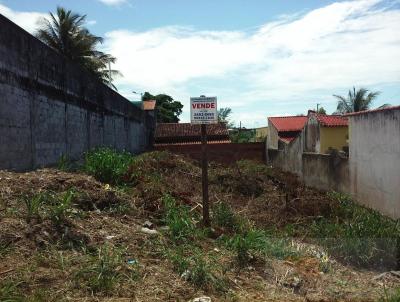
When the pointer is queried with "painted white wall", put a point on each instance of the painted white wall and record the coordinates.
(375, 160)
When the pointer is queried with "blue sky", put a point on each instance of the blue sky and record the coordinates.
(261, 58)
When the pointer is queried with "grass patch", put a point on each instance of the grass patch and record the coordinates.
(358, 235)
(33, 205)
(181, 226)
(9, 291)
(390, 296)
(108, 165)
(105, 269)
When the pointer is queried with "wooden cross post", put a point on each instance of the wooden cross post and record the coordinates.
(204, 175)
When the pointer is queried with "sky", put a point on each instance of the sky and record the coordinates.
(259, 57)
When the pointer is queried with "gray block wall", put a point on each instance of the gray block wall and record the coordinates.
(50, 107)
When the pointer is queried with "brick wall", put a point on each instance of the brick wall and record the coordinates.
(50, 107)
(222, 152)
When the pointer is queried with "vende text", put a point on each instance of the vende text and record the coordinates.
(203, 105)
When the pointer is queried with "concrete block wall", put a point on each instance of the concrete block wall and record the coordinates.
(50, 107)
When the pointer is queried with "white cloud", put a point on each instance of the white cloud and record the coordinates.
(113, 2)
(289, 60)
(27, 20)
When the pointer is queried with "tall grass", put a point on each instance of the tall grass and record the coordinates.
(108, 165)
(358, 235)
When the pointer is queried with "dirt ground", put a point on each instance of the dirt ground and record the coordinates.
(45, 262)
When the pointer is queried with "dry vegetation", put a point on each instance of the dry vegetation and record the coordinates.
(65, 236)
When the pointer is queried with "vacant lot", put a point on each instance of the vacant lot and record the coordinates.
(123, 228)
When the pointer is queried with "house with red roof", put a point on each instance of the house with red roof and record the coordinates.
(284, 129)
(326, 132)
(187, 133)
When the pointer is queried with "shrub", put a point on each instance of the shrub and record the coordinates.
(108, 165)
(393, 296)
(64, 163)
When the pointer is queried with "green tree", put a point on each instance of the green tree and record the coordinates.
(224, 116)
(65, 32)
(356, 100)
(168, 110)
(321, 110)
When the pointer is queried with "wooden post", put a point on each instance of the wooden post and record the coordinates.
(204, 175)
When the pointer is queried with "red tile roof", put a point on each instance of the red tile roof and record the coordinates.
(332, 120)
(289, 123)
(186, 132)
(373, 110)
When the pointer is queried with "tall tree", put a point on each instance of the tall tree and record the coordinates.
(356, 100)
(168, 110)
(321, 110)
(224, 116)
(65, 32)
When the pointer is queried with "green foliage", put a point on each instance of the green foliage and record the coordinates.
(64, 163)
(168, 110)
(107, 165)
(356, 100)
(60, 207)
(321, 110)
(9, 291)
(243, 135)
(103, 270)
(224, 116)
(254, 242)
(359, 235)
(390, 296)
(223, 216)
(65, 32)
(33, 205)
(179, 220)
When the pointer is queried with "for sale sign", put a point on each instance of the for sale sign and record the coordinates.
(203, 110)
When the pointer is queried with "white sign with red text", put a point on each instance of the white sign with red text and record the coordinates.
(203, 110)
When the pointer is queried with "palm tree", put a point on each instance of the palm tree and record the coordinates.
(65, 32)
(356, 100)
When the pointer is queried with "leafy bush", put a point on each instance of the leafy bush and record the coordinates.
(108, 165)
(179, 220)
(223, 216)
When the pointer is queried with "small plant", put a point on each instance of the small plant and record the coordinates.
(33, 205)
(9, 292)
(393, 296)
(101, 273)
(245, 244)
(64, 163)
(61, 207)
(179, 220)
(223, 216)
(108, 165)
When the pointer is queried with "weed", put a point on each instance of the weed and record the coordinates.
(223, 216)
(358, 235)
(245, 244)
(64, 163)
(61, 207)
(178, 259)
(393, 296)
(179, 220)
(108, 165)
(101, 273)
(33, 205)
(9, 291)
